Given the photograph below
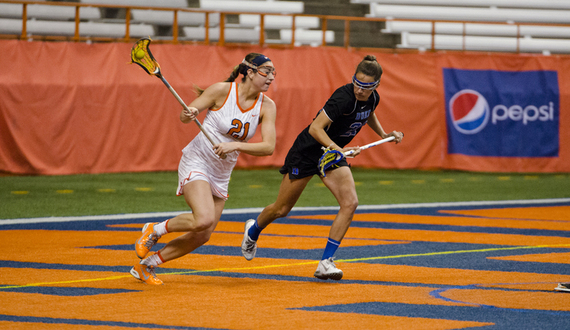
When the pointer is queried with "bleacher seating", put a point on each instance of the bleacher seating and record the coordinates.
(86, 29)
(167, 17)
(484, 36)
(549, 4)
(470, 13)
(141, 3)
(249, 6)
(479, 29)
(62, 13)
(105, 22)
(230, 35)
(60, 20)
(306, 37)
(486, 43)
(302, 36)
(278, 22)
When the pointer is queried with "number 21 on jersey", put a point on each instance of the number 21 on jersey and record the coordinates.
(239, 130)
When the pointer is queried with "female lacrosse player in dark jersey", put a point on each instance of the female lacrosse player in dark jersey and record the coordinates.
(344, 114)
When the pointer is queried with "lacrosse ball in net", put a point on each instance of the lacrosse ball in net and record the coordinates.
(139, 54)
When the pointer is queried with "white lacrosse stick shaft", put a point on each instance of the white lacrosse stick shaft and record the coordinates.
(369, 145)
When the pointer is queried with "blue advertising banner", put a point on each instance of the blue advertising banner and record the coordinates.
(502, 113)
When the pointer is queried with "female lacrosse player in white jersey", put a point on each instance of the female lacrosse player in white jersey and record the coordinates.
(234, 112)
(344, 114)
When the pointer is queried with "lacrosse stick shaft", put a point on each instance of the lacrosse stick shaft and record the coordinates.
(369, 145)
(186, 107)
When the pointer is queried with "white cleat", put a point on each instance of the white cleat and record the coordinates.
(563, 287)
(327, 269)
(248, 246)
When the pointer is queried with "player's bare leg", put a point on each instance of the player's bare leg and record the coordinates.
(341, 183)
(289, 192)
(199, 225)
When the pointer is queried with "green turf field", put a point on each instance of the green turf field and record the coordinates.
(42, 196)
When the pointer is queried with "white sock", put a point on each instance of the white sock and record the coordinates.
(153, 260)
(160, 228)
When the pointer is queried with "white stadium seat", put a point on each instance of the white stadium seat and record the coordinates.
(479, 43)
(89, 29)
(247, 6)
(140, 3)
(167, 17)
(279, 22)
(230, 35)
(306, 37)
(549, 4)
(9, 10)
(470, 13)
(478, 29)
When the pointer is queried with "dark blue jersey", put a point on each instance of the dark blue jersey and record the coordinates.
(348, 116)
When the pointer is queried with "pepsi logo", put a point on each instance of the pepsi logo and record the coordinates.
(469, 111)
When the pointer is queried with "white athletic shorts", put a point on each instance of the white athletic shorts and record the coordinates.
(199, 162)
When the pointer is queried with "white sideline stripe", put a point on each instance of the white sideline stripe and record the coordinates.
(259, 209)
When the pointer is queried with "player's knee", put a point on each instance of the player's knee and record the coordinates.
(349, 204)
(275, 211)
(203, 223)
(282, 211)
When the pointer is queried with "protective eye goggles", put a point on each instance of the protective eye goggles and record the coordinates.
(263, 71)
(362, 85)
(266, 70)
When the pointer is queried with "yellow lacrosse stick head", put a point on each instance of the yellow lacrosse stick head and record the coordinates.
(328, 159)
(141, 55)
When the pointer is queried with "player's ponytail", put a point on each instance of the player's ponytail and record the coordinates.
(238, 69)
(242, 68)
(370, 67)
(235, 72)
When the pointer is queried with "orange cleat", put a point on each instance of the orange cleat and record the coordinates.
(147, 240)
(146, 274)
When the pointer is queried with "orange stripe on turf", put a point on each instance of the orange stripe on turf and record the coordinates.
(558, 213)
(280, 299)
(452, 221)
(511, 299)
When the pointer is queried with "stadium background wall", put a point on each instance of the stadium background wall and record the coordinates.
(69, 108)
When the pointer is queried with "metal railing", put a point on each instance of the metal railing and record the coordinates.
(175, 38)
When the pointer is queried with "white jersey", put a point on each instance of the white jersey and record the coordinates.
(227, 124)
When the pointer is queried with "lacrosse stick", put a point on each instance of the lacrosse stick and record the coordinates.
(331, 157)
(141, 55)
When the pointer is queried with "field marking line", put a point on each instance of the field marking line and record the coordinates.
(287, 265)
(295, 209)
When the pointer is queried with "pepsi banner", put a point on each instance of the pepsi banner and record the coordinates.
(502, 113)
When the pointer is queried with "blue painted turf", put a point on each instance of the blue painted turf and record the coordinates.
(503, 318)
(441, 256)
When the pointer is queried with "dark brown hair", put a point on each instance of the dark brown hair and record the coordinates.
(370, 67)
(240, 68)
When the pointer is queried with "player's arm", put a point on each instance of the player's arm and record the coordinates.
(210, 98)
(317, 131)
(268, 136)
(374, 123)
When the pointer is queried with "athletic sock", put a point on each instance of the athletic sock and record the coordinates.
(153, 260)
(254, 231)
(330, 249)
(161, 228)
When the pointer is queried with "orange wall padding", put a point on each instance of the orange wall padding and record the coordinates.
(70, 108)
